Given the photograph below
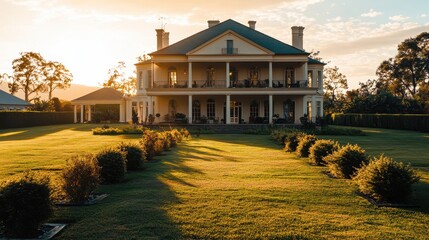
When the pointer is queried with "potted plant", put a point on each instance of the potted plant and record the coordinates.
(180, 118)
(203, 119)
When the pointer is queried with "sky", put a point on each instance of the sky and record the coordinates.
(91, 36)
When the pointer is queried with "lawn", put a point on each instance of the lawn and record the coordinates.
(232, 187)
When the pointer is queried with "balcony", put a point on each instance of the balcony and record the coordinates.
(246, 83)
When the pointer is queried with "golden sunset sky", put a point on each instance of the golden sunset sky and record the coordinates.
(91, 36)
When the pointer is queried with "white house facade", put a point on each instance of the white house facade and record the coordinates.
(229, 73)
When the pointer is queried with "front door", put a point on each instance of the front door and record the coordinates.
(235, 112)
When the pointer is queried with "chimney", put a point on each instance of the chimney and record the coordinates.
(213, 23)
(159, 38)
(252, 24)
(165, 39)
(297, 37)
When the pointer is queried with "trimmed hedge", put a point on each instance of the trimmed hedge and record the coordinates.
(19, 119)
(413, 122)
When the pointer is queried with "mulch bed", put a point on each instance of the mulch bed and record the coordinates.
(93, 199)
(46, 231)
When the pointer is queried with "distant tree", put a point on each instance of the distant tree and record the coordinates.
(56, 104)
(27, 75)
(42, 105)
(117, 80)
(5, 78)
(408, 71)
(56, 76)
(334, 82)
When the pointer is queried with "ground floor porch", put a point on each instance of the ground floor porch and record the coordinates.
(225, 109)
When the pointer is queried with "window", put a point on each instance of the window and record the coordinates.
(141, 80)
(172, 76)
(149, 77)
(211, 109)
(229, 46)
(266, 109)
(319, 109)
(310, 78)
(196, 110)
(289, 111)
(289, 76)
(319, 79)
(210, 77)
(254, 109)
(172, 108)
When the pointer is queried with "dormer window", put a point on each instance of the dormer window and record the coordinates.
(229, 46)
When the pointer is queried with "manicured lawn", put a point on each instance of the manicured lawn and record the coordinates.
(233, 187)
(48, 147)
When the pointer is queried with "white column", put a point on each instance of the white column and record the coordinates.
(89, 113)
(190, 75)
(81, 113)
(139, 112)
(122, 112)
(270, 104)
(227, 75)
(190, 109)
(228, 109)
(304, 105)
(313, 108)
(128, 111)
(75, 114)
(270, 74)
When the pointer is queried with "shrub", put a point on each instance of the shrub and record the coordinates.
(386, 180)
(177, 135)
(151, 145)
(80, 178)
(24, 204)
(113, 165)
(320, 149)
(344, 162)
(291, 141)
(166, 141)
(134, 155)
(304, 144)
(185, 133)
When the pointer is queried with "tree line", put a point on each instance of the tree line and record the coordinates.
(402, 84)
(33, 75)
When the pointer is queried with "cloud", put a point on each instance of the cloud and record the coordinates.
(423, 15)
(371, 13)
(398, 18)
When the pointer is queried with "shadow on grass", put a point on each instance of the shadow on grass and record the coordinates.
(262, 141)
(136, 209)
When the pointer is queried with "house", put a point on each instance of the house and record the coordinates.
(229, 73)
(10, 102)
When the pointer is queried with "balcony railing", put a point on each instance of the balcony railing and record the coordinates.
(246, 83)
(229, 50)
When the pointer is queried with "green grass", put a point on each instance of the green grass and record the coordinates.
(48, 147)
(238, 187)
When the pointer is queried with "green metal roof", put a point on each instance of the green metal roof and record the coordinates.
(9, 99)
(314, 61)
(186, 45)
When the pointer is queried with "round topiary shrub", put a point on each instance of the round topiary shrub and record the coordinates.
(185, 133)
(80, 178)
(291, 141)
(134, 155)
(344, 162)
(304, 144)
(320, 149)
(24, 205)
(386, 180)
(148, 142)
(176, 135)
(113, 165)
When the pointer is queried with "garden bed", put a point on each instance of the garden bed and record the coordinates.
(93, 199)
(46, 231)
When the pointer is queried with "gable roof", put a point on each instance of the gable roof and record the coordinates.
(186, 45)
(103, 94)
(314, 61)
(9, 99)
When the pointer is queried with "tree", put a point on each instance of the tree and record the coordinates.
(117, 80)
(56, 76)
(27, 75)
(333, 82)
(409, 69)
